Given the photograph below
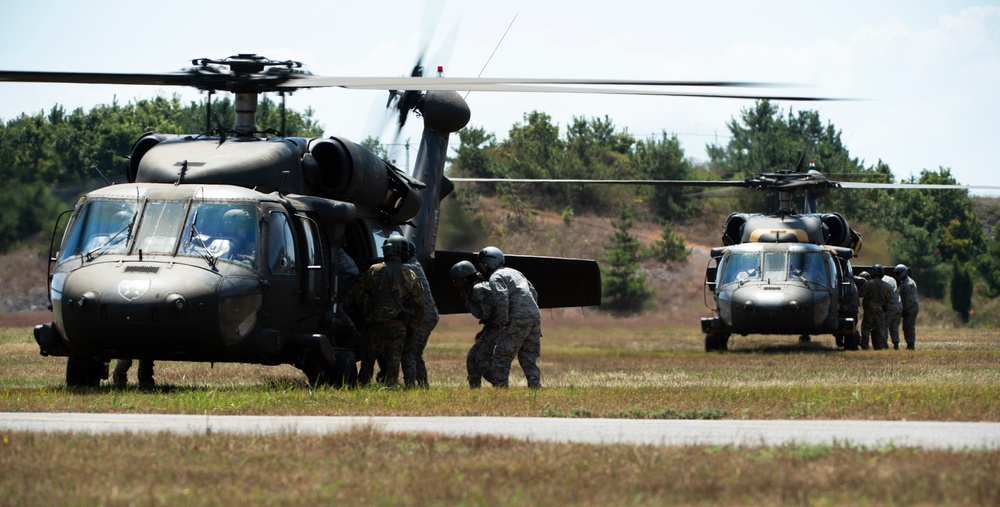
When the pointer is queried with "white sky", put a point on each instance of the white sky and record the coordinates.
(929, 71)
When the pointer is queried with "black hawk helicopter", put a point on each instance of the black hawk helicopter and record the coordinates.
(223, 246)
(779, 272)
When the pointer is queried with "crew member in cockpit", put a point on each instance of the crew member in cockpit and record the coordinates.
(237, 240)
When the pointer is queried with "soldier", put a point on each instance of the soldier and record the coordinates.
(893, 310)
(343, 325)
(874, 293)
(911, 304)
(849, 309)
(120, 376)
(515, 303)
(414, 369)
(479, 300)
(392, 301)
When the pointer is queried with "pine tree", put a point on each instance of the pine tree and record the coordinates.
(625, 290)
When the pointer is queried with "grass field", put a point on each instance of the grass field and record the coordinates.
(592, 366)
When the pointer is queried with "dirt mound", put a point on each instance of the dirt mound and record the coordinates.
(23, 281)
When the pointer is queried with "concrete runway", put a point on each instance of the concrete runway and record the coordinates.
(919, 434)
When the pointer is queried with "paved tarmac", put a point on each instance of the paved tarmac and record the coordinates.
(919, 434)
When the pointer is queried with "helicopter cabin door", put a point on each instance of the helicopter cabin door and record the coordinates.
(283, 307)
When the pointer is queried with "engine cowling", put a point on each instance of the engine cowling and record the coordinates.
(340, 169)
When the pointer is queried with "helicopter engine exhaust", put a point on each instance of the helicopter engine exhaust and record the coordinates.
(347, 171)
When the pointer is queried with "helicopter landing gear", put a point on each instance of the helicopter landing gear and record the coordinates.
(342, 372)
(716, 342)
(804, 338)
(852, 341)
(85, 371)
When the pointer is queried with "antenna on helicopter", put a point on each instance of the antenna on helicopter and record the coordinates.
(94, 167)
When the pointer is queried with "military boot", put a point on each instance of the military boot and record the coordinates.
(119, 378)
(146, 374)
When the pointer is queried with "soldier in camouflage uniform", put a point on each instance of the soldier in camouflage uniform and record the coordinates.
(479, 300)
(414, 369)
(849, 309)
(120, 376)
(515, 303)
(874, 293)
(343, 325)
(392, 301)
(893, 310)
(911, 304)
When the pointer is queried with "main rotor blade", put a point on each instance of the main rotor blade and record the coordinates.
(661, 183)
(741, 183)
(916, 186)
(468, 84)
(422, 83)
(167, 79)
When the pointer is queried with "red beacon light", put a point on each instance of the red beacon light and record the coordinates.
(440, 70)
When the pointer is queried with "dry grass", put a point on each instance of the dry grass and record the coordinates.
(593, 365)
(366, 467)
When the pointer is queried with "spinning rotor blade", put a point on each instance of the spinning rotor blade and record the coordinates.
(233, 75)
(659, 183)
(791, 185)
(916, 186)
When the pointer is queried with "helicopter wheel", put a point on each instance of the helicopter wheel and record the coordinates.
(852, 341)
(716, 342)
(85, 371)
(341, 373)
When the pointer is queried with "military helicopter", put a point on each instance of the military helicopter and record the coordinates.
(779, 272)
(223, 246)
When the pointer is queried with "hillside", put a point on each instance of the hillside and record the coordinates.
(679, 298)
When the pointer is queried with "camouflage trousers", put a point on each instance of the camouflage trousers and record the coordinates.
(910, 329)
(873, 325)
(384, 343)
(414, 369)
(522, 338)
(120, 375)
(893, 315)
(479, 361)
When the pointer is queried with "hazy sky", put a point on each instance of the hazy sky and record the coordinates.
(929, 71)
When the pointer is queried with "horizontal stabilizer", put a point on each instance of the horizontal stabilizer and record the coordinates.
(560, 282)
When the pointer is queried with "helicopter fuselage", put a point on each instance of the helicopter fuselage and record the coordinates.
(155, 271)
(777, 288)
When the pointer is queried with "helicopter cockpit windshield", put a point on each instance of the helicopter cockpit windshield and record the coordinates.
(102, 227)
(807, 267)
(222, 231)
(741, 267)
(810, 267)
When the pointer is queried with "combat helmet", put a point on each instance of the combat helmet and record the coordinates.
(900, 270)
(237, 219)
(395, 245)
(462, 269)
(491, 258)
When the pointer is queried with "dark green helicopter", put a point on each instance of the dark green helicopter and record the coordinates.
(224, 246)
(778, 272)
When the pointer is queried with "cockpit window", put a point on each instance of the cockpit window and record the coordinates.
(102, 227)
(160, 227)
(810, 267)
(280, 245)
(740, 267)
(222, 230)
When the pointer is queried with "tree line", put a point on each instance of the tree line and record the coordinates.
(47, 160)
(935, 232)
